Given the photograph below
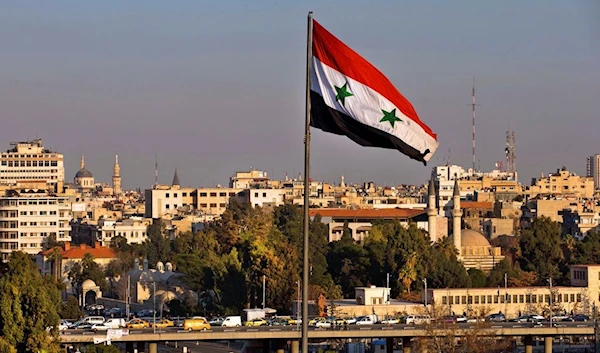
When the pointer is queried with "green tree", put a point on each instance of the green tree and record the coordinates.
(158, 244)
(587, 251)
(87, 269)
(28, 305)
(69, 309)
(478, 278)
(100, 348)
(541, 249)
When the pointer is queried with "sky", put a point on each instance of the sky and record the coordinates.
(211, 88)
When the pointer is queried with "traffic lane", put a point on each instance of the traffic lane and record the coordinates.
(491, 325)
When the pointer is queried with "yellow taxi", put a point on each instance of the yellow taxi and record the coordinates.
(255, 322)
(137, 323)
(164, 323)
(196, 323)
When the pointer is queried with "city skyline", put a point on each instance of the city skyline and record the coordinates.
(209, 100)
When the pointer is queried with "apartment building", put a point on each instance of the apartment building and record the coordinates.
(30, 161)
(214, 201)
(29, 217)
(593, 169)
(563, 182)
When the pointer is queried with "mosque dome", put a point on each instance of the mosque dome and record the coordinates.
(83, 173)
(88, 283)
(473, 238)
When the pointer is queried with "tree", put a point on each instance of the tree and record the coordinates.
(28, 305)
(70, 309)
(87, 269)
(99, 348)
(541, 249)
(158, 244)
(478, 278)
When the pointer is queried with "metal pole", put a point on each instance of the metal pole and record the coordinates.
(425, 283)
(298, 306)
(387, 301)
(154, 305)
(264, 291)
(127, 296)
(596, 342)
(550, 300)
(306, 188)
(505, 294)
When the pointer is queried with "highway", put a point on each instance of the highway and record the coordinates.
(350, 331)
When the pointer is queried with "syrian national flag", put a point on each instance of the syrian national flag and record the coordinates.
(350, 97)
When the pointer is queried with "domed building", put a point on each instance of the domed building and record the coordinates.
(84, 180)
(474, 249)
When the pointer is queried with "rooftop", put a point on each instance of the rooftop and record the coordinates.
(386, 213)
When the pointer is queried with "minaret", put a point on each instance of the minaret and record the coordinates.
(342, 182)
(432, 212)
(82, 164)
(116, 177)
(456, 217)
(175, 182)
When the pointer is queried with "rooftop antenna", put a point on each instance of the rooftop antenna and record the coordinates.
(155, 170)
(473, 110)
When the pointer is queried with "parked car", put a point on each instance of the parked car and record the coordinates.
(137, 323)
(255, 322)
(417, 319)
(109, 324)
(64, 324)
(164, 323)
(278, 321)
(196, 323)
(581, 317)
(217, 321)
(526, 318)
(350, 321)
(449, 319)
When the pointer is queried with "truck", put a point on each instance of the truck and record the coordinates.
(232, 321)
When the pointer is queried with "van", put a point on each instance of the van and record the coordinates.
(196, 323)
(109, 324)
(93, 320)
(232, 321)
(417, 319)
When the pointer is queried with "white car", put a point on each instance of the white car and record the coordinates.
(351, 321)
(390, 321)
(64, 325)
(109, 324)
(365, 320)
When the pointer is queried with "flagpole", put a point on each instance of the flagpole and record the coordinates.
(306, 190)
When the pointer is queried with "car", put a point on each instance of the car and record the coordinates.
(390, 321)
(461, 318)
(164, 323)
(138, 324)
(448, 319)
(473, 320)
(498, 317)
(255, 322)
(364, 320)
(581, 318)
(294, 320)
(527, 318)
(319, 322)
(112, 323)
(64, 324)
(278, 321)
(196, 323)
(82, 325)
(217, 321)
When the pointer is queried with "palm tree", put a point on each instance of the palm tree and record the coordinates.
(408, 272)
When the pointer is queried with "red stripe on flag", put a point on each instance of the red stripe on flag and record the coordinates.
(334, 53)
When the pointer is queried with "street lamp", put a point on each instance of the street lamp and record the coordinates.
(425, 283)
(154, 305)
(550, 299)
(298, 306)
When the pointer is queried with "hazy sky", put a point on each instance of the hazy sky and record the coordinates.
(212, 87)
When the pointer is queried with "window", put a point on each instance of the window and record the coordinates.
(213, 194)
(521, 298)
(476, 299)
(167, 195)
(451, 298)
(579, 298)
(463, 299)
(255, 194)
(23, 213)
(223, 194)
(489, 300)
(534, 298)
(264, 194)
(496, 298)
(444, 300)
(175, 195)
(213, 205)
(483, 299)
(222, 205)
(184, 194)
(203, 205)
(167, 206)
(202, 194)
(231, 194)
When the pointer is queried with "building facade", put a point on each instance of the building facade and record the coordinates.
(593, 169)
(29, 217)
(563, 182)
(30, 161)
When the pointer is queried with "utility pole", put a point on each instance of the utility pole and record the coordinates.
(550, 300)
(505, 294)
(388, 289)
(596, 340)
(473, 108)
(298, 315)
(425, 283)
(264, 291)
(154, 305)
(127, 296)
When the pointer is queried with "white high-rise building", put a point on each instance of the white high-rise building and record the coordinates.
(30, 162)
(29, 217)
(593, 169)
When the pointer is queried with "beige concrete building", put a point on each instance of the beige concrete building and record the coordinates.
(31, 161)
(563, 182)
(578, 298)
(29, 217)
(593, 169)
(214, 201)
(250, 179)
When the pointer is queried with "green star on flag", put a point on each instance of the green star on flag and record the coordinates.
(390, 116)
(342, 93)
